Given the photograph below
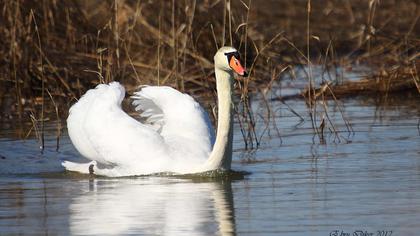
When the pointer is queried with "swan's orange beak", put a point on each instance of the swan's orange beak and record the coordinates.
(235, 64)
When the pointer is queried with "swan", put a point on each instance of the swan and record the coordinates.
(174, 136)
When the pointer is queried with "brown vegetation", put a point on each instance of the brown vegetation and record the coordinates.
(51, 52)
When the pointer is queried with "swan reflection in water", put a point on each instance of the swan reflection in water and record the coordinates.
(153, 206)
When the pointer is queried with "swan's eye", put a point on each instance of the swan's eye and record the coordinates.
(229, 56)
(235, 55)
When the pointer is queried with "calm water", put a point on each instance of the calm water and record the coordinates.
(367, 181)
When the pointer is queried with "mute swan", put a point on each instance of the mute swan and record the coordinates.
(176, 136)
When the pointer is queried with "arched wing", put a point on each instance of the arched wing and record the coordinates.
(175, 134)
(181, 121)
(101, 131)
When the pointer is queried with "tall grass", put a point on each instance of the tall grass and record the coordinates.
(66, 47)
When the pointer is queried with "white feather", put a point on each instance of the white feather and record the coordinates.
(101, 131)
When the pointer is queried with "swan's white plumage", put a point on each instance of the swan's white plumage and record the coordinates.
(177, 117)
(176, 137)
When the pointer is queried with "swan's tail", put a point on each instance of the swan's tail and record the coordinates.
(91, 168)
(84, 168)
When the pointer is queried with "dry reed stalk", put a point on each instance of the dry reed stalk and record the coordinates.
(270, 117)
(132, 65)
(34, 127)
(271, 114)
(99, 59)
(310, 102)
(214, 36)
(13, 55)
(241, 126)
(129, 39)
(190, 14)
(158, 48)
(246, 29)
(224, 23)
(229, 10)
(180, 84)
(58, 134)
(247, 111)
(370, 29)
(330, 51)
(415, 77)
(54, 71)
(42, 82)
(349, 127)
(116, 34)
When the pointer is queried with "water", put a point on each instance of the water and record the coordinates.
(368, 181)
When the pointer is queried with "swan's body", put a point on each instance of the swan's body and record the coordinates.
(176, 135)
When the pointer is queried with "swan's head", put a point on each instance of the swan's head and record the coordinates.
(228, 59)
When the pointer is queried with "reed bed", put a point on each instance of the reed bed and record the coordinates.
(53, 51)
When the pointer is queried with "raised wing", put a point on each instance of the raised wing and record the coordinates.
(101, 131)
(176, 134)
(182, 122)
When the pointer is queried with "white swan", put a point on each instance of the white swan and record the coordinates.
(176, 135)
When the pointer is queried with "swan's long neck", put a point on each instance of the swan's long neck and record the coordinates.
(221, 156)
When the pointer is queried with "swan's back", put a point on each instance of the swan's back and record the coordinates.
(176, 136)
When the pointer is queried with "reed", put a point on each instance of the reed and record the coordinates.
(42, 82)
(58, 121)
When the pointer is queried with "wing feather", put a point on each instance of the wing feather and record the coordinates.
(182, 122)
(175, 134)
